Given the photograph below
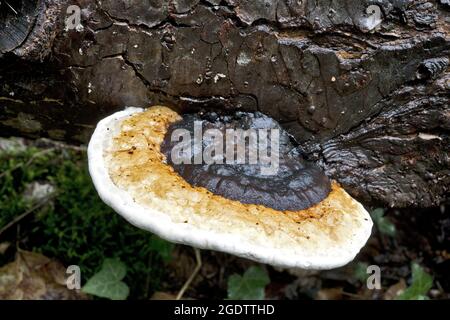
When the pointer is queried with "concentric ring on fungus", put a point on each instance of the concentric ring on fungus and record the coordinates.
(132, 175)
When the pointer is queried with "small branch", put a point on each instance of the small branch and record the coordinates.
(198, 266)
(26, 213)
(32, 158)
(147, 280)
(14, 10)
(61, 145)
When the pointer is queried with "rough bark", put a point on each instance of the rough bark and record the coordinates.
(368, 103)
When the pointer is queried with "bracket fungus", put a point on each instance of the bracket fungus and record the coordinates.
(294, 218)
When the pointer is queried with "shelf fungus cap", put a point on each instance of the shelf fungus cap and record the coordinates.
(132, 175)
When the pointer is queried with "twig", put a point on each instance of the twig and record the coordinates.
(147, 280)
(18, 238)
(198, 266)
(26, 213)
(32, 158)
(61, 145)
(14, 10)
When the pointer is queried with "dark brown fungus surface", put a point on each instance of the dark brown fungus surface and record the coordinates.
(295, 185)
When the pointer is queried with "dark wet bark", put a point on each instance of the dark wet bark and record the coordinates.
(370, 105)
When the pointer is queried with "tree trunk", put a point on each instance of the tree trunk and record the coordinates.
(363, 88)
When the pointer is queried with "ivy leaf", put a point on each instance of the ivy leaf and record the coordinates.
(249, 286)
(360, 271)
(420, 285)
(162, 247)
(107, 282)
(383, 224)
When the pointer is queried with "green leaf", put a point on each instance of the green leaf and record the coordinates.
(383, 224)
(420, 285)
(378, 212)
(386, 227)
(360, 271)
(107, 282)
(249, 286)
(162, 247)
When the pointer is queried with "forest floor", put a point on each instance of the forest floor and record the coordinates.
(51, 217)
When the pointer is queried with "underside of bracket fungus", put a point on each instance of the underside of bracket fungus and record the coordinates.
(297, 218)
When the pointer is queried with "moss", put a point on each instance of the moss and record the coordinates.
(77, 228)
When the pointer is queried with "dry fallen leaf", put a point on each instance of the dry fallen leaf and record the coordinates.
(32, 276)
(4, 246)
(393, 291)
(329, 294)
(159, 295)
